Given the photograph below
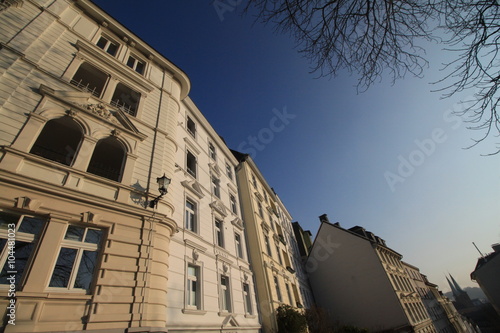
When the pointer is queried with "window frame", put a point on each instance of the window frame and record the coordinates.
(23, 237)
(191, 172)
(215, 182)
(192, 132)
(193, 217)
(239, 245)
(136, 60)
(212, 151)
(225, 294)
(229, 171)
(219, 232)
(233, 203)
(109, 41)
(247, 298)
(80, 246)
(199, 290)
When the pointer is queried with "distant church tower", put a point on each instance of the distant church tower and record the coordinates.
(462, 299)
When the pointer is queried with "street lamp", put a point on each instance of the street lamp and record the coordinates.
(163, 183)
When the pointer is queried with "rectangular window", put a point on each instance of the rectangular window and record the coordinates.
(254, 182)
(289, 294)
(126, 99)
(191, 127)
(219, 233)
(248, 298)
(90, 79)
(229, 171)
(239, 248)
(225, 294)
(234, 206)
(265, 195)
(136, 65)
(193, 287)
(107, 45)
(259, 206)
(279, 255)
(277, 286)
(268, 246)
(191, 164)
(216, 186)
(191, 216)
(212, 152)
(18, 235)
(77, 258)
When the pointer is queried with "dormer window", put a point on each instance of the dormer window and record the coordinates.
(136, 64)
(107, 45)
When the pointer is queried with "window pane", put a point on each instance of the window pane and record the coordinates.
(22, 254)
(75, 233)
(139, 68)
(130, 62)
(31, 225)
(102, 42)
(112, 48)
(6, 218)
(93, 236)
(86, 270)
(64, 266)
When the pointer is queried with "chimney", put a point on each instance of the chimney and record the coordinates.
(324, 218)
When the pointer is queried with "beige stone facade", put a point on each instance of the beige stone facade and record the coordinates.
(274, 255)
(91, 117)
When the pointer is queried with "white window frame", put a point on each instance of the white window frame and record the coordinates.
(219, 232)
(192, 173)
(212, 151)
(137, 60)
(109, 41)
(229, 171)
(199, 287)
(247, 298)
(225, 294)
(80, 246)
(191, 132)
(234, 203)
(215, 186)
(19, 236)
(277, 287)
(239, 245)
(191, 215)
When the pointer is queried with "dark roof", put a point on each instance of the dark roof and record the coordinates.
(239, 156)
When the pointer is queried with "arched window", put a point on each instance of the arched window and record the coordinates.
(59, 140)
(108, 159)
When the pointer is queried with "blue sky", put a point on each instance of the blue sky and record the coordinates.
(337, 149)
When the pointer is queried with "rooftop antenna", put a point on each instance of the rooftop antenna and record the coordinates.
(482, 255)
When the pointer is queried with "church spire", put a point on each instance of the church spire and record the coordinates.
(452, 286)
(456, 284)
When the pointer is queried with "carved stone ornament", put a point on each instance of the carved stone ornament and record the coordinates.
(100, 110)
(71, 113)
(225, 267)
(196, 255)
(115, 132)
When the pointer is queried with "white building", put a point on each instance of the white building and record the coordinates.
(360, 281)
(91, 116)
(211, 286)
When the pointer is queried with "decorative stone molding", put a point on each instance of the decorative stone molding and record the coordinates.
(237, 222)
(194, 186)
(259, 196)
(219, 207)
(27, 203)
(8, 3)
(89, 217)
(215, 169)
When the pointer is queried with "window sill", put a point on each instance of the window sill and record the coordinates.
(194, 312)
(250, 316)
(224, 313)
